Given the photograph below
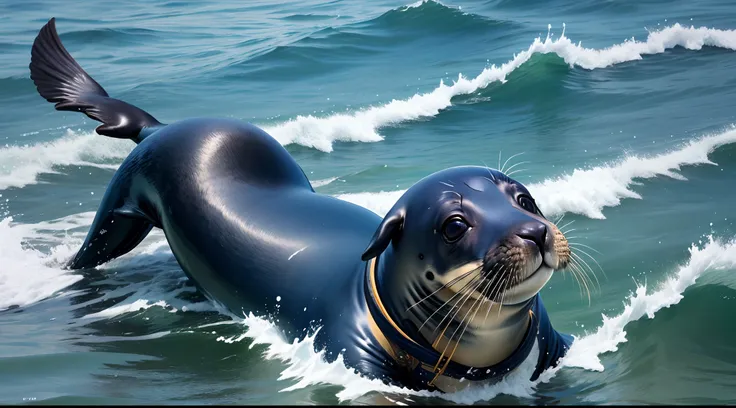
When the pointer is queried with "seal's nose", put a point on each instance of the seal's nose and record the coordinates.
(534, 231)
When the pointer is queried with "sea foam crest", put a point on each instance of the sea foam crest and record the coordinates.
(714, 256)
(21, 165)
(304, 366)
(363, 125)
(307, 367)
(28, 275)
(584, 191)
(588, 191)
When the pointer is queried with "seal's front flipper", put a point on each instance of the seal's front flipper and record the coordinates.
(61, 80)
(110, 237)
(114, 232)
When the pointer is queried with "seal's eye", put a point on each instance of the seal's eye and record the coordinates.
(527, 203)
(454, 228)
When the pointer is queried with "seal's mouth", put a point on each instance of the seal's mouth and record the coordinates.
(518, 267)
(513, 270)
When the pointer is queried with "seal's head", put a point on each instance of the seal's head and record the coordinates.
(458, 241)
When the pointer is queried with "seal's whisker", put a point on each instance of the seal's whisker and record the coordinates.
(493, 178)
(516, 171)
(498, 278)
(465, 316)
(458, 293)
(517, 164)
(507, 160)
(583, 275)
(484, 293)
(567, 232)
(477, 305)
(461, 322)
(592, 258)
(585, 246)
(566, 225)
(576, 256)
(505, 289)
(446, 285)
(515, 285)
(499, 291)
(576, 274)
(562, 217)
(464, 299)
(584, 263)
(465, 291)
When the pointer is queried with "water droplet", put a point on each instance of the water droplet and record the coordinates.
(278, 298)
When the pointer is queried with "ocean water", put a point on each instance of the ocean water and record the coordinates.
(618, 114)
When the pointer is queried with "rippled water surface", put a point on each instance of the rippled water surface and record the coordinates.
(622, 111)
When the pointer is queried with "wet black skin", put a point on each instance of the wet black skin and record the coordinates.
(247, 228)
(447, 220)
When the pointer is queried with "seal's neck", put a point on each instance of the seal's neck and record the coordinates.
(461, 325)
(400, 334)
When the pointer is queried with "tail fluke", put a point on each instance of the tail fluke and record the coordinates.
(61, 80)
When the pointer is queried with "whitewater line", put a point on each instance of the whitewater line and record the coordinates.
(21, 165)
(714, 255)
(583, 191)
(305, 367)
(588, 191)
(308, 368)
(363, 125)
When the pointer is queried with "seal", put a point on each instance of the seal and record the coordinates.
(441, 292)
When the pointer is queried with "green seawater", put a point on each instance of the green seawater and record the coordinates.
(624, 126)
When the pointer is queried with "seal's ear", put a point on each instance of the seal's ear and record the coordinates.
(390, 226)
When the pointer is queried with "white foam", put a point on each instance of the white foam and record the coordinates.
(588, 191)
(363, 125)
(28, 275)
(34, 276)
(713, 256)
(415, 4)
(137, 305)
(21, 165)
(423, 2)
(323, 182)
(379, 202)
(309, 368)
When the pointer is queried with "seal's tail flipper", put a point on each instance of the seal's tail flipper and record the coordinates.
(61, 80)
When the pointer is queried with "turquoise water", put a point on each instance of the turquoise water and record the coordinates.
(623, 125)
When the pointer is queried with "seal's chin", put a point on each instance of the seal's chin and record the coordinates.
(529, 287)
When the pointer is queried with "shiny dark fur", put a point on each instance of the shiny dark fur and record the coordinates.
(246, 226)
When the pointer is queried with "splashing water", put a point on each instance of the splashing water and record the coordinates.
(587, 192)
(21, 165)
(362, 126)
